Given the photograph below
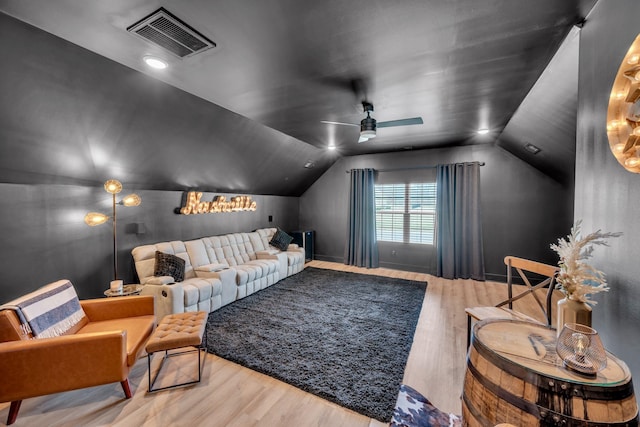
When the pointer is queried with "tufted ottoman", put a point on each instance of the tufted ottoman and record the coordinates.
(177, 331)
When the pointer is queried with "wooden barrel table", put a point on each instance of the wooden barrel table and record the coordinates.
(515, 376)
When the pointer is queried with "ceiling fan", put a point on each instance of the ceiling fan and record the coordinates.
(368, 125)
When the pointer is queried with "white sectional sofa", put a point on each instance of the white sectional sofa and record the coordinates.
(291, 259)
(235, 251)
(206, 293)
(218, 270)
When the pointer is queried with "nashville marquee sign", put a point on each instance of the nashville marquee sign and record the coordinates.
(195, 205)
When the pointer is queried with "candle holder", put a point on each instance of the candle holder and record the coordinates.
(581, 349)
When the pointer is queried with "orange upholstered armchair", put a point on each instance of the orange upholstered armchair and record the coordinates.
(98, 349)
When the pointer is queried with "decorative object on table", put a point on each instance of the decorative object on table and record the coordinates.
(623, 114)
(577, 279)
(116, 286)
(573, 311)
(92, 219)
(514, 375)
(125, 291)
(581, 349)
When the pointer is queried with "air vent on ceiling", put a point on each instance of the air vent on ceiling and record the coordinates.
(167, 31)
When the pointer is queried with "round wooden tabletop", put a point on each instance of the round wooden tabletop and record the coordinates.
(533, 346)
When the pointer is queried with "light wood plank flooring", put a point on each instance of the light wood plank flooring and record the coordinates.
(230, 395)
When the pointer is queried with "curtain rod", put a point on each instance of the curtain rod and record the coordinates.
(420, 167)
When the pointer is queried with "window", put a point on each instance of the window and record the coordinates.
(406, 213)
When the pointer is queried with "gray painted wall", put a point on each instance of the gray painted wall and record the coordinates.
(44, 237)
(606, 194)
(70, 116)
(523, 210)
(547, 116)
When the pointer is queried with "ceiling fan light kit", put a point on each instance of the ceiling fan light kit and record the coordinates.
(368, 125)
(366, 135)
(368, 128)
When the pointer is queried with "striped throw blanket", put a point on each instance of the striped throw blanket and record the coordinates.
(49, 311)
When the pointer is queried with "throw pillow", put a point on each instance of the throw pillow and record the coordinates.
(281, 240)
(415, 410)
(169, 265)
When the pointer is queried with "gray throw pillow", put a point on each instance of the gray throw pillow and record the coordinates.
(281, 240)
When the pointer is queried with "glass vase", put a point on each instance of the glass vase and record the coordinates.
(572, 311)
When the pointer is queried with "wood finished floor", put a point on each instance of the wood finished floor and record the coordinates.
(230, 395)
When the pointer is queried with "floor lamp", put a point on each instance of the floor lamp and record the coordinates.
(96, 218)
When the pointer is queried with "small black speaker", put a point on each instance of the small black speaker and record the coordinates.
(304, 239)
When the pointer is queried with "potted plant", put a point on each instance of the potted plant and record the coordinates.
(577, 279)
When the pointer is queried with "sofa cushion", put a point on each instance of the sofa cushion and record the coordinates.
(160, 280)
(281, 240)
(169, 265)
(196, 290)
(269, 266)
(295, 258)
(265, 235)
(268, 252)
(212, 267)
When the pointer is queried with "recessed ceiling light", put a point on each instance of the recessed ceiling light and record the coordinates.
(331, 147)
(156, 63)
(483, 131)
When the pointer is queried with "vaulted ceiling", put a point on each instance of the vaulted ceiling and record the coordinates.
(281, 67)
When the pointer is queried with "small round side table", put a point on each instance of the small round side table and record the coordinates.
(126, 291)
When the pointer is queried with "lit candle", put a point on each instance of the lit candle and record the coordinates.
(116, 285)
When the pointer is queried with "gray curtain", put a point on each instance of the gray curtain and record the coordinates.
(459, 230)
(362, 247)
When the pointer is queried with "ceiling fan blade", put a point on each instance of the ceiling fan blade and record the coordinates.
(401, 122)
(328, 122)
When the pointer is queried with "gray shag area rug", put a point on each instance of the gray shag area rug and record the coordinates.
(342, 336)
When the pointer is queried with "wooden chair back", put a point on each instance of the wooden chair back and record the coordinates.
(535, 275)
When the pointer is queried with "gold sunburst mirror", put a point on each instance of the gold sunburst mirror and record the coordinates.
(623, 115)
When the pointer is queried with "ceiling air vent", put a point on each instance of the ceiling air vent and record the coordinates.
(167, 31)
